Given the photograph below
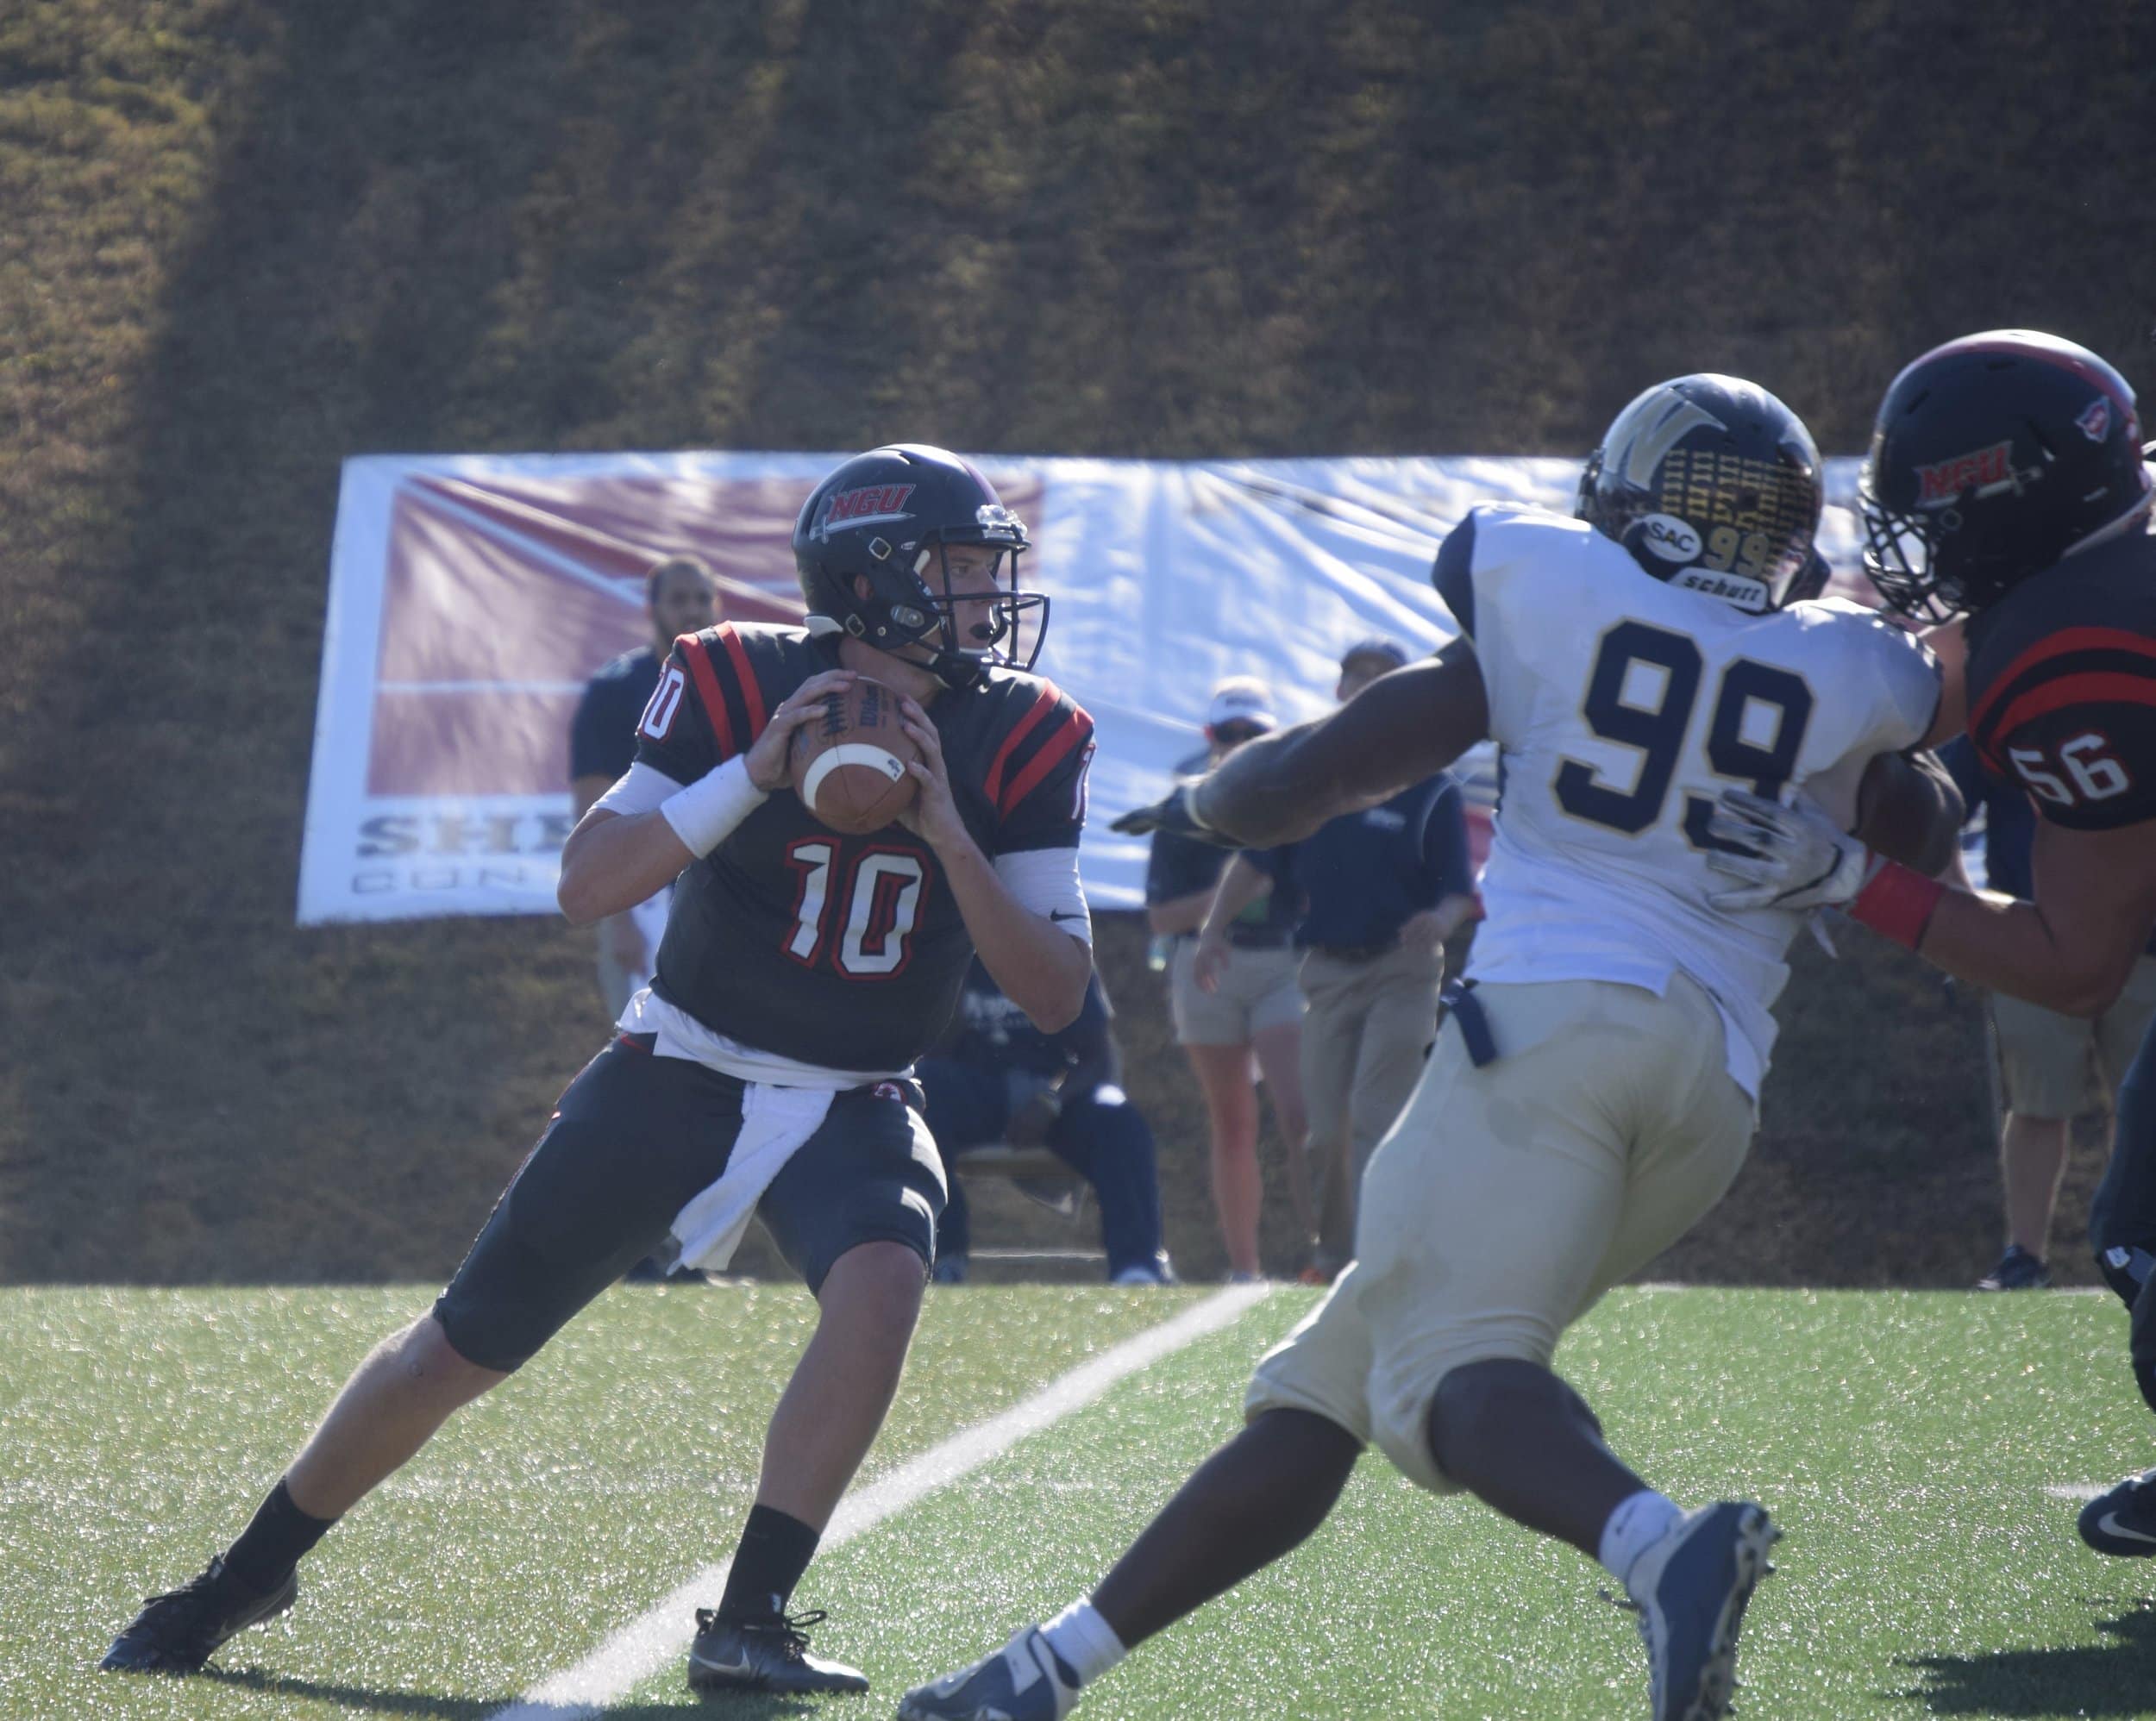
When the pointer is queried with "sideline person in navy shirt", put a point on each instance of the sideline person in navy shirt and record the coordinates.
(2052, 1068)
(1382, 890)
(678, 599)
(997, 1078)
(1252, 1012)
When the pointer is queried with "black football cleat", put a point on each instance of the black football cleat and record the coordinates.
(177, 1632)
(2123, 1521)
(763, 1653)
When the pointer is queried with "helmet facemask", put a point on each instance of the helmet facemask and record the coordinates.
(915, 601)
(1901, 552)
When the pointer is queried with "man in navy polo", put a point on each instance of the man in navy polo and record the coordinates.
(678, 599)
(1382, 890)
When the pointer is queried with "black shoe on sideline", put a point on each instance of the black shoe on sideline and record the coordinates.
(767, 1653)
(2018, 1270)
(178, 1631)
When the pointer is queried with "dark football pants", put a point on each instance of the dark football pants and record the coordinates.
(632, 1139)
(1108, 1144)
(2123, 1216)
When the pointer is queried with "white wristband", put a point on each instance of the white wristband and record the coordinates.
(703, 814)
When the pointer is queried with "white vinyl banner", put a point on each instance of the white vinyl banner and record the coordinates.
(470, 598)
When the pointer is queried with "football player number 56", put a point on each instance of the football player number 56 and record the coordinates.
(2080, 773)
(1641, 693)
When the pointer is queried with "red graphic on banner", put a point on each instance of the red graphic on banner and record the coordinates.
(503, 596)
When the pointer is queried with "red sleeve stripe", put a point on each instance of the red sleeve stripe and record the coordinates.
(2057, 645)
(2089, 687)
(698, 658)
(751, 694)
(1073, 734)
(1025, 725)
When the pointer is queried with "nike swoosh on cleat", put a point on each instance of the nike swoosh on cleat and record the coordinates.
(2110, 1525)
(1058, 914)
(744, 1666)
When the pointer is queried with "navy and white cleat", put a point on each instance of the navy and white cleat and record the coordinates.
(2123, 1521)
(1690, 1589)
(1025, 1680)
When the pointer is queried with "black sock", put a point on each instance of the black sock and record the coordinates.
(272, 1543)
(774, 1551)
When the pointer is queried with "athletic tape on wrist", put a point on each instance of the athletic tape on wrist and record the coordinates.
(704, 814)
(1898, 902)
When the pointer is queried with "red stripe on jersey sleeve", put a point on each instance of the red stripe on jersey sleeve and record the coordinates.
(751, 695)
(2089, 687)
(1073, 734)
(698, 658)
(2056, 645)
(1024, 726)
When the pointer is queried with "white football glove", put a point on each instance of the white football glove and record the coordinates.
(1799, 858)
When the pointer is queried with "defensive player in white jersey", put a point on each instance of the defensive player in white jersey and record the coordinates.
(1594, 1094)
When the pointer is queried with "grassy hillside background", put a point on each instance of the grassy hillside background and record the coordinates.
(241, 240)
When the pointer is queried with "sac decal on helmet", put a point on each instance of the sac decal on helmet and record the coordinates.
(1992, 457)
(1713, 484)
(889, 517)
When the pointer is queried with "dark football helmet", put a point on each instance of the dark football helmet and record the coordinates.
(887, 518)
(1992, 457)
(1712, 484)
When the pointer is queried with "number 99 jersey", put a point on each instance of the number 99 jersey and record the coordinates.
(2062, 686)
(1621, 707)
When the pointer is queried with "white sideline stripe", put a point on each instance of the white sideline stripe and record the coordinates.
(661, 1633)
(2079, 1490)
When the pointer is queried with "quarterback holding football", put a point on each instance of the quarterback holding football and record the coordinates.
(766, 1071)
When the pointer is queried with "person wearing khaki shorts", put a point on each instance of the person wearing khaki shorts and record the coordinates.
(1382, 888)
(2053, 1069)
(1252, 1017)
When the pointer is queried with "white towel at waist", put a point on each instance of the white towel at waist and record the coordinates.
(774, 1122)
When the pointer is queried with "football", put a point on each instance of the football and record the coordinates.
(850, 759)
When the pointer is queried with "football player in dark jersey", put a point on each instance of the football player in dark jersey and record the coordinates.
(2007, 498)
(766, 1071)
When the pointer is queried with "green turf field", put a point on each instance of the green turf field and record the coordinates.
(1907, 1443)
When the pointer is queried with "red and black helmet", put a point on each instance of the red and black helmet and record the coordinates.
(1993, 457)
(887, 517)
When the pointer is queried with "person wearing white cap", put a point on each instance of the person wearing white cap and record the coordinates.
(1254, 1010)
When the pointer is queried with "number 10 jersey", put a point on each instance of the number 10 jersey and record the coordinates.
(844, 953)
(1621, 707)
